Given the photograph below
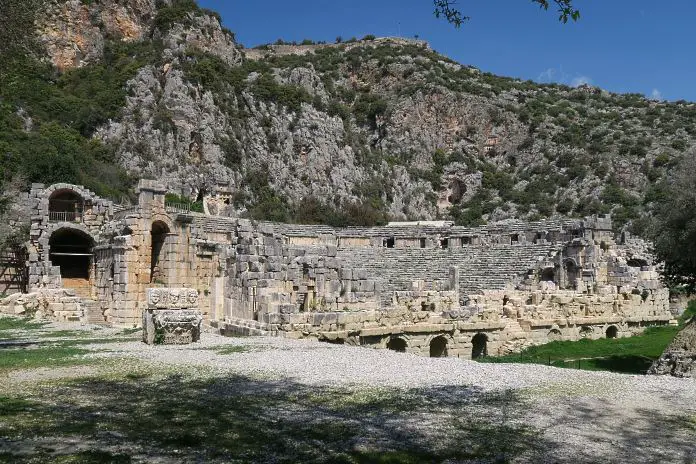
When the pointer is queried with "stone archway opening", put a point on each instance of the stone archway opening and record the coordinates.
(573, 273)
(612, 331)
(158, 235)
(397, 344)
(438, 347)
(65, 205)
(479, 346)
(71, 251)
(548, 275)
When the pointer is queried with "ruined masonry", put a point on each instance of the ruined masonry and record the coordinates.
(171, 317)
(430, 288)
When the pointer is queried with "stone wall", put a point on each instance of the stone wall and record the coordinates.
(430, 288)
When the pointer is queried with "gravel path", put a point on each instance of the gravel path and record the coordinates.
(583, 416)
(589, 416)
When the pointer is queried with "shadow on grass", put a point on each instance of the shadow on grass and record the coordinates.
(240, 419)
(623, 364)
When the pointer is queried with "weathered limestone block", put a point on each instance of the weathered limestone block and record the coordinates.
(679, 359)
(171, 326)
(172, 316)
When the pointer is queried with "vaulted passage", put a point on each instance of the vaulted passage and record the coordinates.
(158, 235)
(397, 344)
(71, 250)
(479, 347)
(612, 331)
(438, 347)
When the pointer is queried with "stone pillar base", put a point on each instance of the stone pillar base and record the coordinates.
(171, 317)
(171, 326)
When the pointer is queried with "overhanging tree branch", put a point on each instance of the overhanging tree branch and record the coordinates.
(449, 10)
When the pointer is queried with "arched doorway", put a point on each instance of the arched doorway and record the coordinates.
(158, 236)
(479, 346)
(548, 275)
(573, 273)
(612, 331)
(65, 206)
(71, 250)
(397, 344)
(438, 347)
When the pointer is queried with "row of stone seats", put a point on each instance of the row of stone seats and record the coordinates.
(479, 267)
(410, 231)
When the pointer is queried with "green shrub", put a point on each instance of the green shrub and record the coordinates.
(367, 108)
(195, 206)
(179, 12)
(688, 313)
(291, 97)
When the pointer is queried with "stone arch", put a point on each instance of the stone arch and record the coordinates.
(438, 347)
(555, 335)
(398, 344)
(586, 332)
(77, 227)
(78, 189)
(158, 237)
(62, 202)
(165, 219)
(479, 345)
(612, 331)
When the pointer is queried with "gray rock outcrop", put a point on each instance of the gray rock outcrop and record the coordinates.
(679, 359)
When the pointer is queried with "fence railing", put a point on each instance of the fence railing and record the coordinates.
(65, 216)
(125, 211)
(178, 207)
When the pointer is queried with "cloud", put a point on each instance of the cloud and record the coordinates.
(548, 76)
(656, 95)
(580, 80)
(558, 75)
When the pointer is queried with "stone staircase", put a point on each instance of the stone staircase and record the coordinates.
(92, 312)
(81, 287)
(513, 330)
(515, 338)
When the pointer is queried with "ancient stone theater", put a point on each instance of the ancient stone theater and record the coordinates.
(428, 288)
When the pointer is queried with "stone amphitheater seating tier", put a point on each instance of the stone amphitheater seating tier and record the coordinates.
(492, 267)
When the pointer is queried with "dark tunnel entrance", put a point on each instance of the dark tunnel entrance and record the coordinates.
(71, 250)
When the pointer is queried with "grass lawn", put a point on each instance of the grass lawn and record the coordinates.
(27, 344)
(632, 355)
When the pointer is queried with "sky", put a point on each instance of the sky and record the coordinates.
(638, 46)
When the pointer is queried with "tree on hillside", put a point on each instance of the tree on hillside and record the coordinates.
(448, 10)
(674, 225)
(17, 26)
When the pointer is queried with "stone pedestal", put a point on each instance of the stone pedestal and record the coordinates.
(172, 317)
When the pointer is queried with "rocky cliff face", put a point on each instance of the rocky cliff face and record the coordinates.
(74, 31)
(383, 126)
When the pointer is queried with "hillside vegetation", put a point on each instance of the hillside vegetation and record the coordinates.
(357, 132)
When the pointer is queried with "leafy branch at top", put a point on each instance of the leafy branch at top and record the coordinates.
(448, 9)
